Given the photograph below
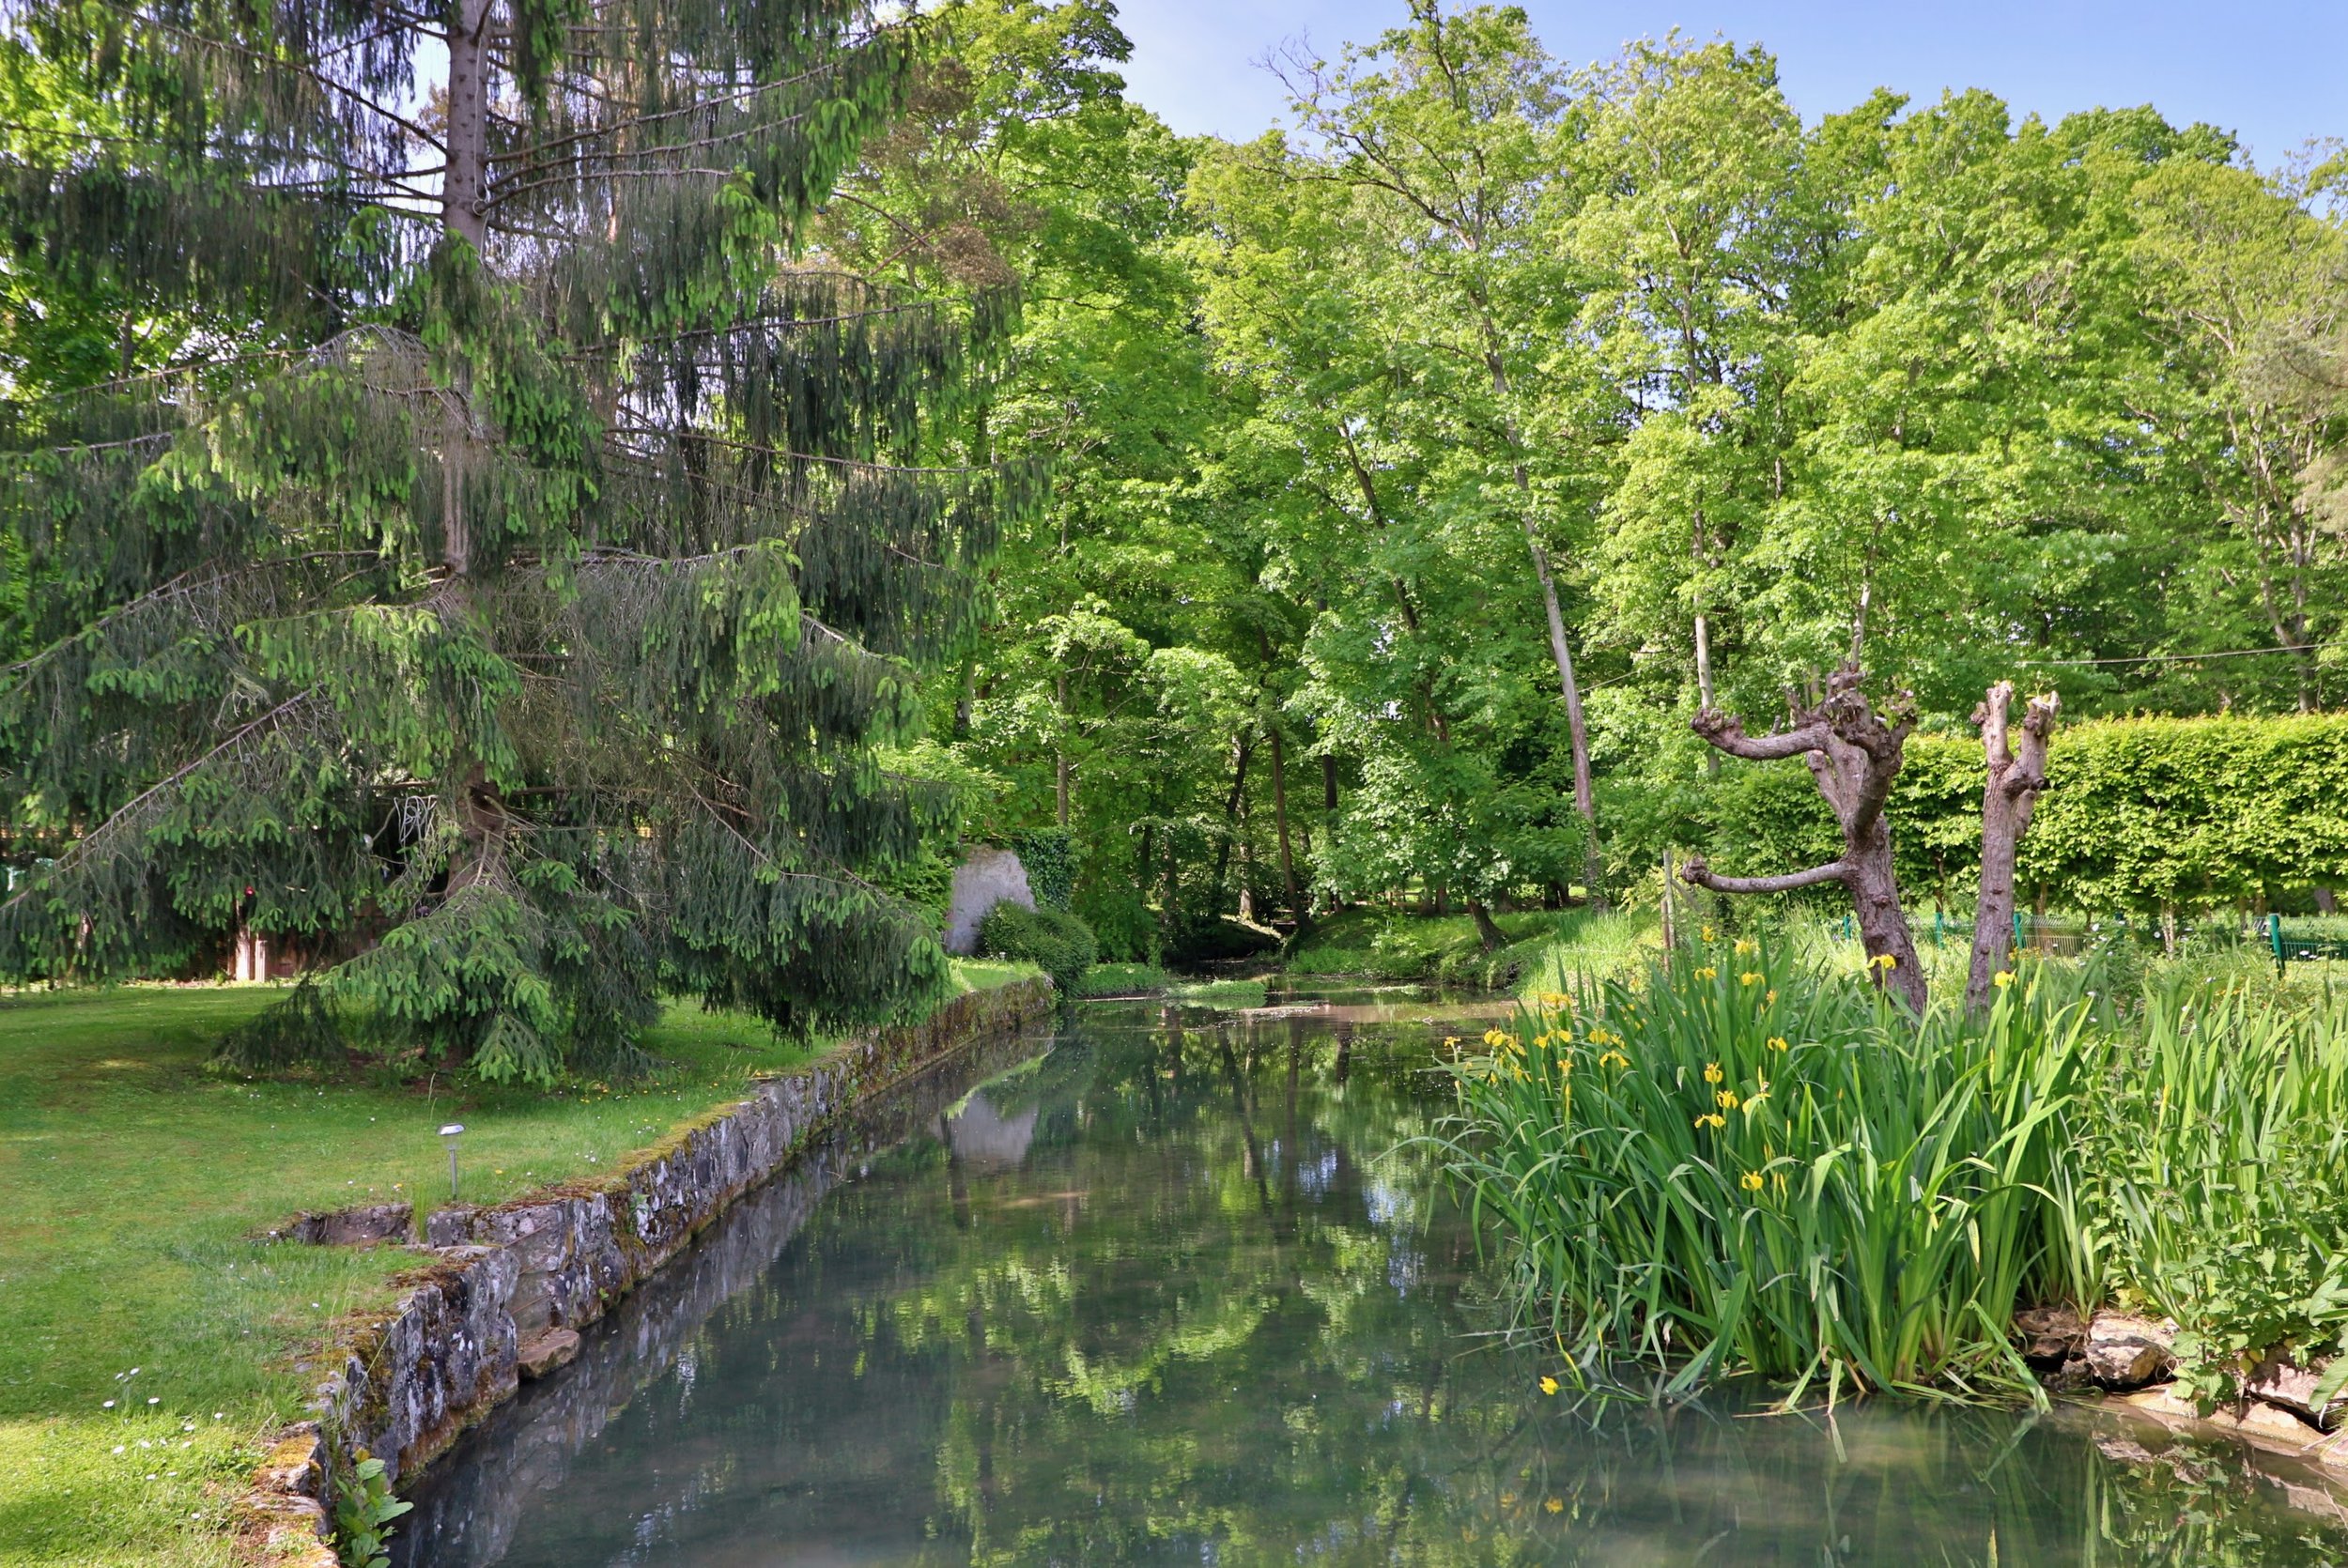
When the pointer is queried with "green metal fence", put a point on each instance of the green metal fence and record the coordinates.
(2291, 942)
(2298, 944)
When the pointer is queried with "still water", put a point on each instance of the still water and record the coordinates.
(1186, 1289)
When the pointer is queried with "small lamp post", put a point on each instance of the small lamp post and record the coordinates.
(449, 1135)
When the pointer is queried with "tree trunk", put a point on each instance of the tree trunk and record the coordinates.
(1245, 828)
(1241, 745)
(2327, 901)
(1704, 634)
(464, 193)
(1488, 930)
(1170, 917)
(1671, 918)
(2006, 803)
(967, 699)
(464, 181)
(1280, 823)
(1882, 923)
(1061, 752)
(1577, 731)
(1853, 755)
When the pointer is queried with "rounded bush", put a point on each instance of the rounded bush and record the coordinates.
(1056, 941)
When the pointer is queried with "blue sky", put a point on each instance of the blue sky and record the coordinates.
(2274, 72)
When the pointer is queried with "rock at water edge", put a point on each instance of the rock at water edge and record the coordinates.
(554, 1349)
(2125, 1352)
(984, 879)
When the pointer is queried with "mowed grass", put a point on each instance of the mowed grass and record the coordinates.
(135, 1178)
(1542, 945)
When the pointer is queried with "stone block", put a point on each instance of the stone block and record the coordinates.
(362, 1226)
(2261, 1425)
(2050, 1334)
(283, 1515)
(2126, 1352)
(983, 879)
(2277, 1381)
(556, 1347)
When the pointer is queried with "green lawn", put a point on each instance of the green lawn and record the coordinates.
(136, 1176)
(1389, 946)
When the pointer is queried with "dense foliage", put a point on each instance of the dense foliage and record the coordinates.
(1053, 940)
(2141, 816)
(1339, 414)
(1736, 1166)
(1413, 472)
(497, 589)
(2212, 1157)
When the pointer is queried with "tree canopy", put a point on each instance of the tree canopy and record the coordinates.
(499, 571)
(551, 502)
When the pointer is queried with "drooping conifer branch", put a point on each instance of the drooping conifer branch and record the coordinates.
(591, 518)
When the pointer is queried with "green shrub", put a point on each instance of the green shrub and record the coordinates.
(1741, 1160)
(2139, 815)
(1387, 945)
(1060, 942)
(1219, 993)
(364, 1510)
(1736, 1164)
(1586, 945)
(1220, 941)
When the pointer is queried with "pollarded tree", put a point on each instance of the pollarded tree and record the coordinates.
(2006, 804)
(524, 583)
(1853, 753)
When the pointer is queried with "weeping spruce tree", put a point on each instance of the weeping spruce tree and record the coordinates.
(504, 593)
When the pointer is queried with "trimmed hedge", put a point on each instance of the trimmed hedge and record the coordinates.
(2139, 815)
(1052, 939)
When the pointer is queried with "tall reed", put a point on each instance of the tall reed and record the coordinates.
(1734, 1162)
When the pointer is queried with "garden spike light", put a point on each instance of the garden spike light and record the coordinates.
(449, 1135)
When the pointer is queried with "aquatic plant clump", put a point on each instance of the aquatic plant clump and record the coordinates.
(1734, 1164)
(2214, 1148)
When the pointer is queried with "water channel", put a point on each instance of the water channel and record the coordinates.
(1182, 1287)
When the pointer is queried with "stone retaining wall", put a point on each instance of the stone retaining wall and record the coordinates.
(506, 1286)
(466, 1504)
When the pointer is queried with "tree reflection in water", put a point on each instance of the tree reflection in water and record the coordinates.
(1187, 1289)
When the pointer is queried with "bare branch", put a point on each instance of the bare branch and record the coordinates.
(1989, 717)
(1698, 874)
(2038, 723)
(1726, 732)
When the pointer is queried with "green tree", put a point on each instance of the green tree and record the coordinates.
(2250, 293)
(1444, 137)
(1690, 234)
(525, 582)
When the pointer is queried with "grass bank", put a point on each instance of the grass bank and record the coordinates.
(149, 1339)
(1542, 946)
